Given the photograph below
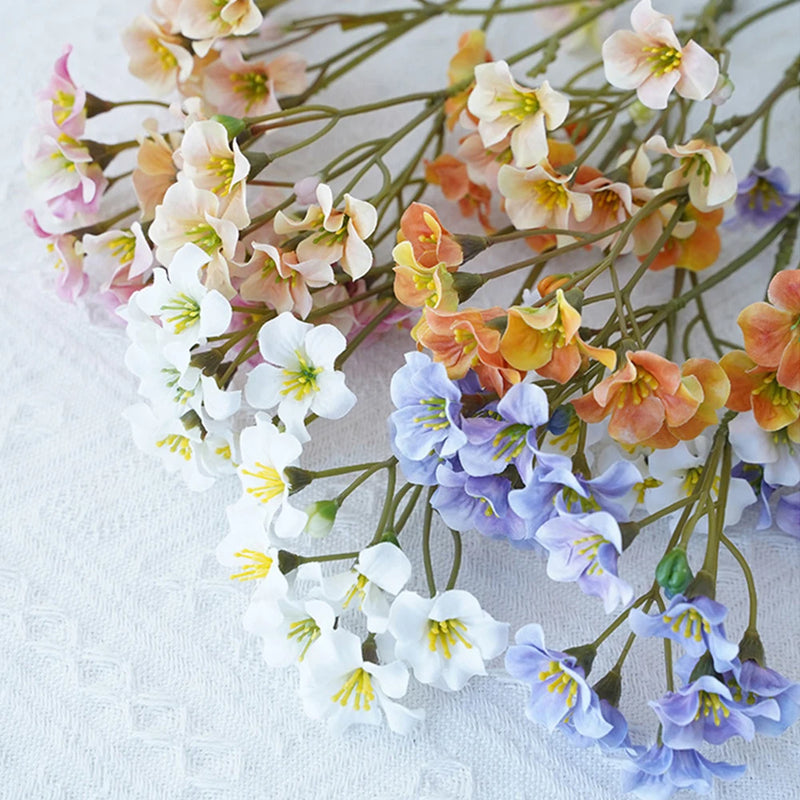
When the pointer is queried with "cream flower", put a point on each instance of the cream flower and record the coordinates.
(155, 168)
(502, 106)
(538, 198)
(651, 60)
(157, 56)
(707, 169)
(208, 20)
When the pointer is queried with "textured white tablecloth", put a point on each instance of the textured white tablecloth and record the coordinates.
(124, 671)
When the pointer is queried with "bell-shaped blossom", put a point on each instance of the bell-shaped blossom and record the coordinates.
(114, 253)
(63, 103)
(157, 56)
(585, 549)
(774, 405)
(450, 173)
(752, 684)
(446, 639)
(539, 198)
(770, 330)
(651, 60)
(641, 396)
(213, 164)
(559, 692)
(337, 683)
(508, 436)
(155, 169)
(281, 281)
(209, 20)
(695, 624)
(679, 470)
(188, 310)
(659, 772)
(299, 376)
(775, 452)
(763, 197)
(189, 214)
(546, 339)
(428, 407)
(431, 242)
(705, 168)
(612, 204)
(465, 503)
(336, 235)
(787, 514)
(71, 282)
(250, 88)
(502, 106)
(705, 710)
(380, 570)
(265, 455)
(694, 244)
(616, 739)
(416, 286)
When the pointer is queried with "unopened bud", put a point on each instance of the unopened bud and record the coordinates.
(673, 572)
(233, 125)
(640, 113)
(722, 91)
(321, 516)
(550, 283)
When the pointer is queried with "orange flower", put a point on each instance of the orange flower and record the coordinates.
(716, 388)
(772, 332)
(416, 286)
(646, 393)
(752, 386)
(471, 52)
(431, 242)
(450, 173)
(546, 339)
(464, 340)
(698, 250)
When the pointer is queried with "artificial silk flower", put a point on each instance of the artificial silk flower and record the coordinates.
(416, 286)
(546, 339)
(695, 624)
(63, 103)
(502, 106)
(559, 692)
(450, 173)
(431, 242)
(651, 60)
(750, 684)
(208, 20)
(155, 169)
(705, 168)
(71, 282)
(471, 52)
(446, 639)
(157, 56)
(775, 451)
(281, 281)
(116, 251)
(189, 214)
(265, 455)
(250, 88)
(774, 405)
(554, 18)
(584, 548)
(335, 235)
(539, 198)
(694, 243)
(338, 683)
(299, 376)
(772, 330)
(643, 395)
(188, 310)
(679, 469)
(213, 164)
(483, 163)
(612, 204)
(380, 570)
(763, 197)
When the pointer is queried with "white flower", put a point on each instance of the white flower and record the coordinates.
(502, 106)
(380, 569)
(116, 251)
(446, 638)
(680, 468)
(265, 455)
(336, 682)
(774, 450)
(187, 309)
(299, 376)
(707, 169)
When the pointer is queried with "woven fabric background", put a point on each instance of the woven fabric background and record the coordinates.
(124, 671)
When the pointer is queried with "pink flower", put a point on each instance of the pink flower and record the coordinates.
(207, 20)
(63, 104)
(155, 169)
(71, 281)
(157, 56)
(651, 60)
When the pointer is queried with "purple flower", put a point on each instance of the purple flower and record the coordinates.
(702, 711)
(584, 549)
(763, 197)
(751, 685)
(754, 475)
(428, 409)
(616, 738)
(559, 691)
(465, 502)
(787, 514)
(494, 443)
(659, 772)
(421, 471)
(696, 624)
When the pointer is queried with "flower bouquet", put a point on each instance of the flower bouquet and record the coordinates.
(249, 259)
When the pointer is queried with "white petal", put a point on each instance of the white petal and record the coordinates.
(264, 384)
(215, 314)
(281, 338)
(217, 402)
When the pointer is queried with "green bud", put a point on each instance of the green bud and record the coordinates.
(673, 572)
(321, 516)
(466, 284)
(233, 125)
(640, 113)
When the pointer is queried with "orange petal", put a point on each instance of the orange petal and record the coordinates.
(773, 417)
(680, 407)
(665, 372)
(563, 365)
(789, 369)
(766, 332)
(784, 291)
(588, 409)
(632, 424)
(737, 365)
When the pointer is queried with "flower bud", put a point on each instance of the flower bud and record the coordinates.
(233, 125)
(673, 572)
(640, 113)
(321, 516)
(550, 283)
(722, 91)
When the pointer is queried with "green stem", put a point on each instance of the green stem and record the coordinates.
(748, 576)
(451, 581)
(426, 543)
